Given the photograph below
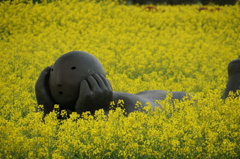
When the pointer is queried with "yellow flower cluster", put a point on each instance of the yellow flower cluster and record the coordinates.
(175, 48)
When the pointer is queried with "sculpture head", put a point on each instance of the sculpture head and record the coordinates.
(233, 83)
(67, 73)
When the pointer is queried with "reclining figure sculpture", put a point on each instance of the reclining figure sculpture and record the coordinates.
(77, 83)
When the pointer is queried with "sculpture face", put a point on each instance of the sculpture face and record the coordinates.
(68, 72)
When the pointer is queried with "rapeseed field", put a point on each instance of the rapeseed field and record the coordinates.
(174, 48)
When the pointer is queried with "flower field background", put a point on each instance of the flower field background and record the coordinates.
(174, 48)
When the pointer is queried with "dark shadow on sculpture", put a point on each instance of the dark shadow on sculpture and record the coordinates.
(77, 83)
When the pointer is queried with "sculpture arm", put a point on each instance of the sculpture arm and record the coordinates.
(43, 93)
(150, 96)
(130, 101)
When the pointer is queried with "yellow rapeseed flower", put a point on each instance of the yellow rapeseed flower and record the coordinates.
(176, 48)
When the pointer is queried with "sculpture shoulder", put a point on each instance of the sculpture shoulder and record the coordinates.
(180, 95)
(130, 100)
(148, 96)
(153, 94)
(161, 94)
(144, 97)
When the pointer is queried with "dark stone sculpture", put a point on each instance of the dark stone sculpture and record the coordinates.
(77, 83)
(233, 83)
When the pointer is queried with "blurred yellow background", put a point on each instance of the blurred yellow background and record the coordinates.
(174, 48)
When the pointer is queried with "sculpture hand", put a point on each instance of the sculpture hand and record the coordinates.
(42, 91)
(95, 93)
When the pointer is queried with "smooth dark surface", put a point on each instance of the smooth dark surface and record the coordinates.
(68, 72)
(77, 82)
(233, 83)
(42, 90)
